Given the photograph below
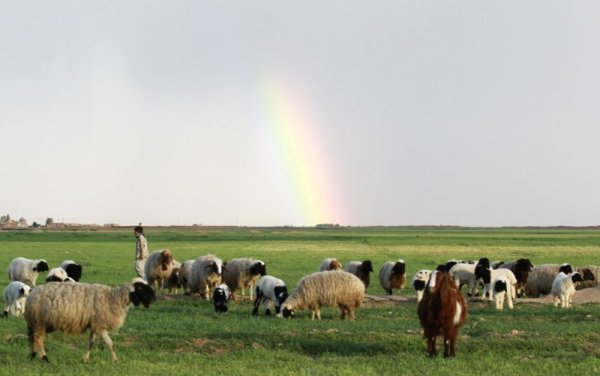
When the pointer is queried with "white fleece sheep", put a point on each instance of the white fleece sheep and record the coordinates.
(334, 288)
(419, 282)
(464, 274)
(158, 268)
(563, 288)
(392, 276)
(26, 270)
(240, 273)
(502, 290)
(269, 289)
(488, 275)
(205, 274)
(14, 298)
(330, 264)
(72, 268)
(73, 308)
(57, 275)
(183, 276)
(541, 278)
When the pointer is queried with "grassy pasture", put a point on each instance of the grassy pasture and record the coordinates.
(183, 335)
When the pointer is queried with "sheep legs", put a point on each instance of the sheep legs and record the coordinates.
(345, 310)
(36, 341)
(107, 341)
(109, 344)
(86, 354)
(431, 350)
(450, 342)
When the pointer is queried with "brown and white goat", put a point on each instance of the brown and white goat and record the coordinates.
(442, 311)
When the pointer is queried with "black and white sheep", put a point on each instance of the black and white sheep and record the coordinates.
(56, 275)
(392, 276)
(73, 269)
(269, 289)
(221, 296)
(158, 268)
(502, 290)
(26, 270)
(563, 288)
(488, 275)
(240, 273)
(15, 295)
(330, 264)
(205, 274)
(334, 288)
(419, 281)
(361, 269)
(541, 278)
(73, 308)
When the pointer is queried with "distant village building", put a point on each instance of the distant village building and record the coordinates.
(22, 223)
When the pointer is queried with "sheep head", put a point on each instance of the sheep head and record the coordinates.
(141, 293)
(41, 266)
(258, 267)
(166, 259)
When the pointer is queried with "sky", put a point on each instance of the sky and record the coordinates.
(294, 113)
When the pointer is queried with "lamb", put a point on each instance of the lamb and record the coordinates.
(15, 295)
(56, 275)
(450, 263)
(26, 270)
(334, 288)
(521, 269)
(419, 281)
(541, 278)
(463, 274)
(487, 275)
(362, 270)
(72, 268)
(184, 275)
(205, 274)
(158, 268)
(590, 274)
(501, 290)
(74, 308)
(392, 276)
(221, 296)
(330, 264)
(172, 283)
(269, 289)
(240, 273)
(563, 288)
(442, 311)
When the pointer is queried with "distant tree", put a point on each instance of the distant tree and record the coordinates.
(35, 225)
(5, 218)
(49, 221)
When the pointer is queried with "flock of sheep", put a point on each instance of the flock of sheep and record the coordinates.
(65, 304)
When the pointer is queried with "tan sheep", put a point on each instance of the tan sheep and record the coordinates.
(241, 273)
(73, 308)
(330, 264)
(334, 288)
(158, 268)
(205, 274)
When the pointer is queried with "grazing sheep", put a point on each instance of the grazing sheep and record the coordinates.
(183, 276)
(488, 275)
(563, 288)
(221, 296)
(362, 270)
(172, 283)
(501, 290)
(240, 273)
(26, 270)
(450, 263)
(521, 269)
(334, 288)
(74, 308)
(464, 274)
(442, 311)
(205, 274)
(392, 276)
(269, 288)
(419, 281)
(73, 269)
(541, 278)
(590, 275)
(158, 268)
(56, 275)
(330, 264)
(14, 298)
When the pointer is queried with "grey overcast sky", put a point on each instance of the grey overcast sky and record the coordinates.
(259, 113)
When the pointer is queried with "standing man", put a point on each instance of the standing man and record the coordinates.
(141, 251)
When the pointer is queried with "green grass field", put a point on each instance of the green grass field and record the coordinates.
(180, 335)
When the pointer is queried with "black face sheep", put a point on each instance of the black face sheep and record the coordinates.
(502, 290)
(590, 275)
(330, 264)
(442, 311)
(488, 275)
(362, 270)
(392, 276)
(334, 288)
(158, 268)
(240, 273)
(15, 295)
(419, 281)
(221, 296)
(73, 308)
(541, 277)
(269, 289)
(56, 275)
(521, 269)
(205, 274)
(26, 270)
(563, 288)
(73, 269)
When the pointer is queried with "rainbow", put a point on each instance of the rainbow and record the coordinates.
(294, 137)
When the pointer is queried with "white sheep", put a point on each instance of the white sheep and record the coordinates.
(14, 298)
(269, 289)
(72, 268)
(392, 276)
(462, 274)
(73, 308)
(361, 269)
(206, 273)
(563, 288)
(541, 278)
(57, 275)
(334, 288)
(26, 270)
(502, 290)
(240, 273)
(330, 264)
(158, 268)
(419, 282)
(183, 276)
